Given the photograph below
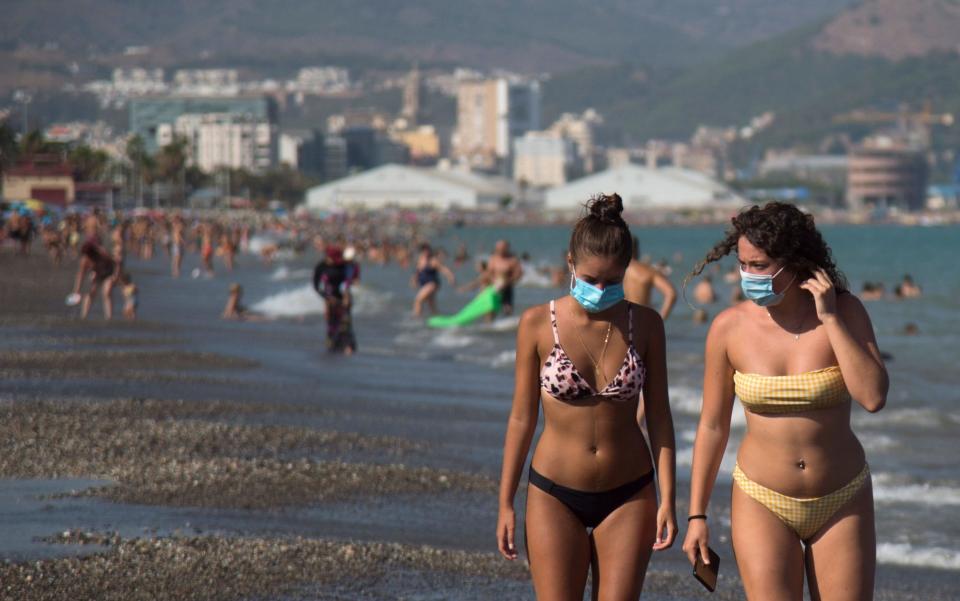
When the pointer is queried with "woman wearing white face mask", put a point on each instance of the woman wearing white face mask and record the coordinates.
(591, 498)
(795, 353)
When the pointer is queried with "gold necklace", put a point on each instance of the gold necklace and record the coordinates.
(597, 366)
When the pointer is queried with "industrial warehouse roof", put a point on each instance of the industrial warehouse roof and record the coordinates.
(410, 187)
(646, 188)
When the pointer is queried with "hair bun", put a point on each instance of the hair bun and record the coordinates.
(606, 207)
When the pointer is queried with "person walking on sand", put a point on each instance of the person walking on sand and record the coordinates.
(796, 353)
(641, 279)
(427, 279)
(504, 272)
(587, 359)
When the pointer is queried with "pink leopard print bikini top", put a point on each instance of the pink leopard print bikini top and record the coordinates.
(560, 379)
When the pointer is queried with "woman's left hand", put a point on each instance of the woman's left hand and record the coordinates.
(824, 294)
(666, 528)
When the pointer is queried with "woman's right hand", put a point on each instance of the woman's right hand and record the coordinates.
(506, 524)
(698, 536)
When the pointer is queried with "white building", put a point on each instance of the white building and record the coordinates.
(412, 188)
(490, 114)
(223, 140)
(206, 82)
(320, 80)
(642, 188)
(543, 159)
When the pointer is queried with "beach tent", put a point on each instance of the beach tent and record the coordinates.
(667, 188)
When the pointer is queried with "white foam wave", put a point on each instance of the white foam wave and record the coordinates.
(688, 400)
(891, 488)
(533, 278)
(285, 273)
(879, 442)
(922, 416)
(906, 554)
(452, 338)
(685, 458)
(501, 324)
(504, 359)
(303, 301)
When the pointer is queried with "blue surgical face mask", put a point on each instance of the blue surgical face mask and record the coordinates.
(594, 299)
(759, 288)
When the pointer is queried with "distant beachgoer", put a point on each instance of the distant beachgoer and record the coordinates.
(131, 295)
(427, 279)
(700, 316)
(177, 244)
(504, 271)
(795, 356)
(227, 248)
(97, 262)
(461, 256)
(641, 279)
(20, 229)
(872, 291)
(907, 288)
(911, 329)
(52, 240)
(207, 235)
(332, 281)
(236, 310)
(591, 495)
(703, 292)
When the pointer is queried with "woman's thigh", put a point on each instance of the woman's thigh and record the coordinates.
(769, 554)
(622, 544)
(557, 547)
(842, 557)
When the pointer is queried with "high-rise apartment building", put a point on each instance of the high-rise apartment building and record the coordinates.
(491, 113)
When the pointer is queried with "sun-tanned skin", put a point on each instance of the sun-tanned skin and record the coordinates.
(589, 445)
(802, 455)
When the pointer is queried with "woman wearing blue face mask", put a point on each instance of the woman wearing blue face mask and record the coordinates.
(795, 352)
(586, 358)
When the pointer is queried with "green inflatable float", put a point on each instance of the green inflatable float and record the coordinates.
(488, 301)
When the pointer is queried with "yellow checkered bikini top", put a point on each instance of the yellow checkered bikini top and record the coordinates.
(816, 389)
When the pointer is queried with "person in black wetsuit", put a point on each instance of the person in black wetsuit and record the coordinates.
(427, 279)
(332, 279)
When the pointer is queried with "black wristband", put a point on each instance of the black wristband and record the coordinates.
(699, 516)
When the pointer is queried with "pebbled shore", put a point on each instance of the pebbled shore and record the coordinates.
(158, 453)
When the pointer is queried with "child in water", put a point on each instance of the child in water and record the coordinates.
(130, 296)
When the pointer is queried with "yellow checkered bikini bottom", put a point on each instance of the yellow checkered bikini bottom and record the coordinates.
(804, 516)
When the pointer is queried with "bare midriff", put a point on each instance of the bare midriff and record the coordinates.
(594, 445)
(803, 455)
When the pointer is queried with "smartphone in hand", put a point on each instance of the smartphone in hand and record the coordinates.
(707, 574)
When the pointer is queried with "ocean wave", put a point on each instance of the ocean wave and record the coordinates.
(906, 554)
(504, 359)
(283, 272)
(922, 416)
(501, 324)
(688, 400)
(533, 278)
(304, 300)
(892, 488)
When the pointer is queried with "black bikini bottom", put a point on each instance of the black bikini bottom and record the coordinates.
(591, 508)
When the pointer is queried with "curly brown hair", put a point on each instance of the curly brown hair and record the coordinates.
(786, 234)
(602, 232)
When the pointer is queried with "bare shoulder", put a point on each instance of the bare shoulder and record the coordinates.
(534, 318)
(851, 310)
(728, 319)
(646, 316)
